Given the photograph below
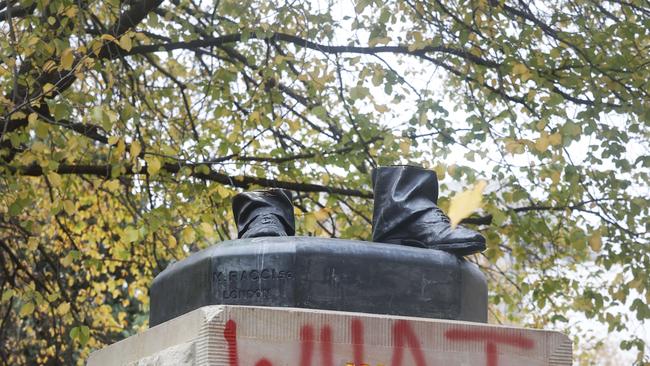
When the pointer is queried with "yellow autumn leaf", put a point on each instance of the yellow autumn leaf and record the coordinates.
(119, 149)
(381, 108)
(519, 69)
(596, 241)
(26, 309)
(107, 37)
(405, 146)
(112, 185)
(255, 116)
(63, 308)
(171, 241)
(32, 117)
(555, 139)
(67, 59)
(54, 179)
(310, 222)
(32, 244)
(41, 129)
(153, 165)
(95, 46)
(49, 65)
(207, 230)
(514, 146)
(19, 115)
(222, 191)
(125, 42)
(48, 88)
(38, 147)
(555, 176)
(637, 283)
(188, 235)
(543, 142)
(135, 149)
(465, 203)
(69, 207)
(321, 214)
(71, 11)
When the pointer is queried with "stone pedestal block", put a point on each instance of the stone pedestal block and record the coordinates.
(265, 336)
(319, 273)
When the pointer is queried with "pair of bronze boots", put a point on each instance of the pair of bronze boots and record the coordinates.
(405, 212)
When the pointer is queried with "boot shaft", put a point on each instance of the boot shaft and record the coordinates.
(401, 193)
(406, 212)
(247, 206)
(403, 181)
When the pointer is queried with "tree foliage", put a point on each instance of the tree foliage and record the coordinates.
(126, 127)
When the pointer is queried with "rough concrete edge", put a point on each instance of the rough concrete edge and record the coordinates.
(230, 308)
(211, 347)
(183, 329)
(561, 349)
(179, 355)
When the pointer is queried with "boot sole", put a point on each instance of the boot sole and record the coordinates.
(460, 249)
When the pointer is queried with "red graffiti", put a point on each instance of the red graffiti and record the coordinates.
(230, 334)
(492, 338)
(403, 337)
(402, 333)
(326, 345)
(357, 341)
(491, 354)
(306, 345)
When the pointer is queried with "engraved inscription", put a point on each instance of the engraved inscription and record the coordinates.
(250, 284)
(253, 275)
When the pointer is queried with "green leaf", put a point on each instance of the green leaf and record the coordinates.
(130, 235)
(359, 92)
(80, 334)
(26, 309)
(6, 295)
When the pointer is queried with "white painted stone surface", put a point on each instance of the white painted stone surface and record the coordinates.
(261, 336)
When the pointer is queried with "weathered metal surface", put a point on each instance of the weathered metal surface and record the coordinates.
(319, 273)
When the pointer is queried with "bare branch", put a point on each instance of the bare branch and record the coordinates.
(242, 181)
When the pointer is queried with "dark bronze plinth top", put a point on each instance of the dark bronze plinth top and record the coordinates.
(319, 273)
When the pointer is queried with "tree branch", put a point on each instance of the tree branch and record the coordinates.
(104, 170)
(298, 41)
(17, 12)
(63, 80)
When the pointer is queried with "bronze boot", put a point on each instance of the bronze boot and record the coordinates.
(264, 213)
(406, 212)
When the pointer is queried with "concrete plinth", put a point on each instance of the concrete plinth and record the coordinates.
(226, 335)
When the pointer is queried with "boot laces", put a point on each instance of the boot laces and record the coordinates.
(443, 216)
(267, 219)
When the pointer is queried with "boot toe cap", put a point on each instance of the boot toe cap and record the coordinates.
(461, 241)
